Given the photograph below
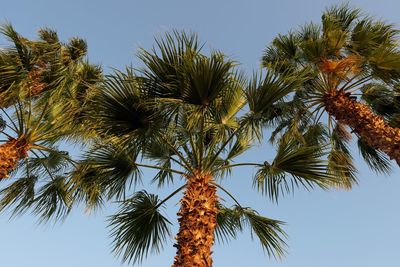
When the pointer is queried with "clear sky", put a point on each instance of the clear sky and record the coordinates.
(327, 229)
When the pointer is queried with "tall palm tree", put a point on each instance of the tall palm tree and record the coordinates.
(345, 54)
(190, 115)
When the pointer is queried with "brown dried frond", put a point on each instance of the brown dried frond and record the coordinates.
(342, 68)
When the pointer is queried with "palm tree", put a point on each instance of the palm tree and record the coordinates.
(190, 115)
(43, 88)
(345, 54)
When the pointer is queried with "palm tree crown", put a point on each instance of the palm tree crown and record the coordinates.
(344, 54)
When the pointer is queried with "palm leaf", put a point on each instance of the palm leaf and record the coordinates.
(138, 229)
(269, 231)
(375, 159)
(20, 193)
(53, 200)
(229, 222)
(116, 170)
(294, 165)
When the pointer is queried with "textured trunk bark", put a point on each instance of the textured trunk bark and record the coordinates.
(10, 153)
(371, 128)
(197, 220)
(36, 86)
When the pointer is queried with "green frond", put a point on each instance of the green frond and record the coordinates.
(86, 186)
(138, 229)
(164, 62)
(375, 159)
(266, 98)
(341, 166)
(53, 200)
(294, 165)
(48, 35)
(19, 44)
(268, 231)
(381, 98)
(263, 93)
(54, 161)
(77, 48)
(120, 110)
(369, 35)
(164, 176)
(232, 220)
(19, 195)
(385, 63)
(342, 16)
(116, 170)
(229, 223)
(242, 144)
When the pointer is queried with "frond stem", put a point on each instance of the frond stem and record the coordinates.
(229, 194)
(159, 168)
(168, 197)
(239, 164)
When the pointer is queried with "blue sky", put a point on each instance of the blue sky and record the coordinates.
(329, 229)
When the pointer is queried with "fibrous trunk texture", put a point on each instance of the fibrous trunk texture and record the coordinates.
(36, 86)
(10, 153)
(371, 128)
(197, 220)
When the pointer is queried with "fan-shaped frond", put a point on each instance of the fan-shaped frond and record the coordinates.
(20, 193)
(115, 170)
(53, 200)
(139, 229)
(294, 165)
(375, 159)
(269, 231)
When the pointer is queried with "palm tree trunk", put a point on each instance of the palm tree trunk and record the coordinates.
(10, 153)
(35, 85)
(197, 220)
(371, 128)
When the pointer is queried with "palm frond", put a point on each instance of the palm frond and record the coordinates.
(294, 165)
(86, 186)
(116, 170)
(53, 200)
(20, 193)
(54, 161)
(229, 223)
(121, 111)
(264, 95)
(375, 159)
(268, 231)
(138, 229)
(232, 220)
